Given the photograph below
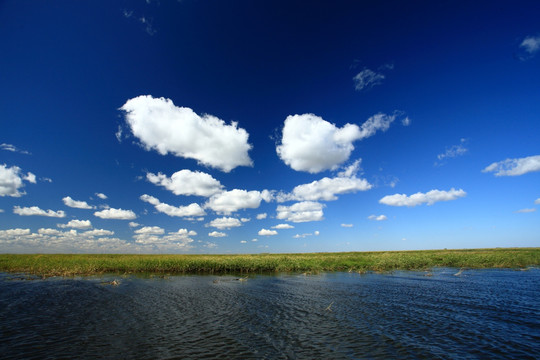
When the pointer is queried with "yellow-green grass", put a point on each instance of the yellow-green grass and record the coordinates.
(91, 264)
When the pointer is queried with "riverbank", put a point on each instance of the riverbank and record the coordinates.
(91, 264)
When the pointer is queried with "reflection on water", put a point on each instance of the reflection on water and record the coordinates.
(484, 314)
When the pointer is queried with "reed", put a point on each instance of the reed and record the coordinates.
(90, 264)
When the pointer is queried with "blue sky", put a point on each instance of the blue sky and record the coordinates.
(268, 126)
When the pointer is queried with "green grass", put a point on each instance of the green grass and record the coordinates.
(90, 264)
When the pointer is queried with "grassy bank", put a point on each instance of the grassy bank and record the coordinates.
(89, 264)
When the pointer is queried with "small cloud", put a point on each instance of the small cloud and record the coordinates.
(531, 44)
(190, 210)
(453, 151)
(150, 230)
(347, 225)
(36, 211)
(254, 240)
(316, 233)
(117, 214)
(419, 198)
(537, 201)
(525, 211)
(244, 220)
(101, 196)
(68, 201)
(225, 223)
(367, 79)
(11, 181)
(377, 217)
(515, 167)
(30, 178)
(301, 212)
(76, 224)
(13, 148)
(283, 226)
(243, 242)
(133, 224)
(217, 234)
(261, 216)
(265, 232)
(406, 122)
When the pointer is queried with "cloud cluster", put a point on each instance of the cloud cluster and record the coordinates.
(515, 167)
(166, 128)
(310, 143)
(68, 201)
(154, 236)
(301, 212)
(430, 198)
(36, 211)
(231, 201)
(193, 209)
(187, 182)
(11, 180)
(117, 214)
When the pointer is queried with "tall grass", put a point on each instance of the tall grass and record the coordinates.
(88, 264)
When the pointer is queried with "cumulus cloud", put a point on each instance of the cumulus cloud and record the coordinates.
(117, 214)
(179, 211)
(179, 240)
(261, 216)
(367, 78)
(231, 201)
(217, 234)
(68, 201)
(515, 167)
(11, 180)
(283, 226)
(133, 224)
(377, 217)
(98, 232)
(310, 143)
(266, 232)
(101, 196)
(419, 198)
(154, 230)
(34, 210)
(225, 223)
(76, 224)
(166, 128)
(187, 182)
(14, 232)
(327, 188)
(301, 212)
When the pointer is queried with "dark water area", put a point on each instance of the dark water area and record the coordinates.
(479, 314)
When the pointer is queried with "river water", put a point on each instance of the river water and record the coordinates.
(476, 314)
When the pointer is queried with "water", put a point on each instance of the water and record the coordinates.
(480, 314)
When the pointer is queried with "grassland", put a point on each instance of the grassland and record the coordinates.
(91, 264)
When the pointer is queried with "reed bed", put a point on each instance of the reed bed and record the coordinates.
(91, 264)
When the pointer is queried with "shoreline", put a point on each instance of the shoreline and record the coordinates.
(48, 265)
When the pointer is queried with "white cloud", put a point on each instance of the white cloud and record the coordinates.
(179, 240)
(254, 240)
(68, 201)
(347, 225)
(187, 182)
(261, 216)
(301, 212)
(454, 151)
(225, 223)
(133, 224)
(34, 210)
(217, 234)
(419, 198)
(180, 211)
(525, 211)
(11, 181)
(231, 201)
(244, 220)
(101, 196)
(283, 226)
(166, 128)
(76, 224)
(327, 188)
(406, 121)
(537, 201)
(243, 242)
(266, 232)
(13, 148)
(377, 217)
(531, 44)
(301, 236)
(153, 230)
(515, 167)
(310, 143)
(98, 232)
(55, 232)
(14, 232)
(117, 214)
(366, 79)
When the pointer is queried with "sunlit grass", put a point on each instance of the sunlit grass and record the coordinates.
(89, 264)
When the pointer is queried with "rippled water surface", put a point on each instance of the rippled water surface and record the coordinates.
(483, 314)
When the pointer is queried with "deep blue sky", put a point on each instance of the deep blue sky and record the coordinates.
(285, 126)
